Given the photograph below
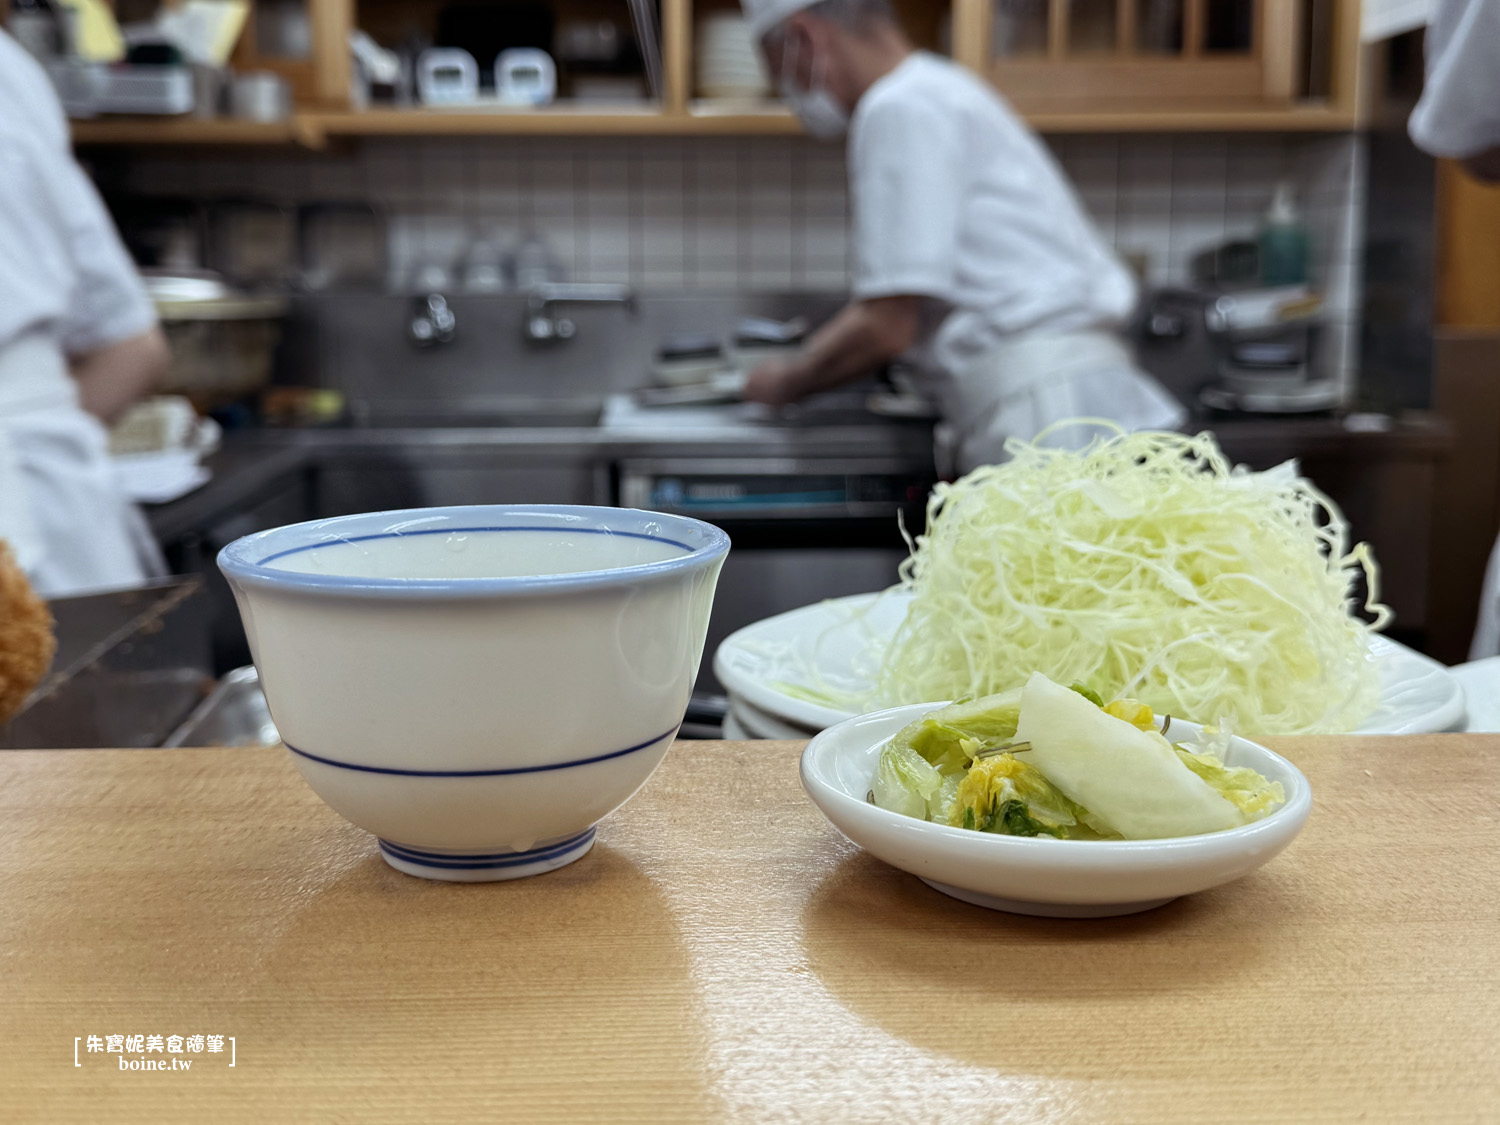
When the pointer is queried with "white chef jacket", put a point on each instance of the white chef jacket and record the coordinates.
(1457, 117)
(1459, 113)
(955, 199)
(67, 286)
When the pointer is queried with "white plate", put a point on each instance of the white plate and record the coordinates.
(762, 724)
(1054, 878)
(721, 386)
(160, 477)
(1481, 683)
(732, 730)
(830, 643)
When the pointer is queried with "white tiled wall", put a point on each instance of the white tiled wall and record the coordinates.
(772, 213)
(1165, 199)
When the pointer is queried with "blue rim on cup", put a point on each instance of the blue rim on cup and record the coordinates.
(247, 559)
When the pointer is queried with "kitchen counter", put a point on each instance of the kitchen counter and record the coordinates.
(1271, 439)
(251, 460)
(832, 480)
(244, 465)
(1384, 482)
(723, 954)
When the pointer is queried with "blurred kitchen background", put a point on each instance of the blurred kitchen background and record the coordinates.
(450, 251)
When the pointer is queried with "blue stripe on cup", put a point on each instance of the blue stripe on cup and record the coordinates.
(418, 531)
(480, 861)
(507, 772)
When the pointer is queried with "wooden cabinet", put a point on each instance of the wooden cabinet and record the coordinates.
(1068, 65)
(1075, 65)
(313, 57)
(1092, 54)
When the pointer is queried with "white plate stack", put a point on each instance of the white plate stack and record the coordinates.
(795, 674)
(730, 67)
(775, 671)
(746, 722)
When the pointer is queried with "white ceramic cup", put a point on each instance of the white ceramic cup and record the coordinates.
(260, 96)
(478, 686)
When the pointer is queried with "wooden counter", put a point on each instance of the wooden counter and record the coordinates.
(723, 954)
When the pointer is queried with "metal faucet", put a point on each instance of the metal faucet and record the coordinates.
(432, 321)
(542, 323)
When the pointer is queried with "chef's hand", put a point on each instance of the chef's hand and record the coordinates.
(773, 382)
(861, 337)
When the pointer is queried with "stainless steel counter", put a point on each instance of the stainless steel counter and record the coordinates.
(1383, 481)
(251, 461)
(265, 478)
(130, 665)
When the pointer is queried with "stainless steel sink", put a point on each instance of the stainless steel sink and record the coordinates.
(235, 714)
(130, 664)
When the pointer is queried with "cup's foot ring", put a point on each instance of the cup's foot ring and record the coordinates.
(1047, 909)
(489, 866)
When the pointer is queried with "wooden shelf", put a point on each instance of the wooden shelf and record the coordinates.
(181, 131)
(1095, 105)
(552, 121)
(1229, 119)
(703, 118)
(734, 117)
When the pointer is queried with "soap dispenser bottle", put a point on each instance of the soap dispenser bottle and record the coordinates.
(1283, 241)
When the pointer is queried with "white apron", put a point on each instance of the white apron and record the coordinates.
(61, 509)
(1032, 381)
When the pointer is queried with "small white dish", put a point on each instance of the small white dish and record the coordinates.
(777, 665)
(1042, 876)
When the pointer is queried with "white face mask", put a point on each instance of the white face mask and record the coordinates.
(818, 110)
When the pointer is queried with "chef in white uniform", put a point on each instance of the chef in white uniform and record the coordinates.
(1459, 113)
(78, 343)
(973, 255)
(1458, 117)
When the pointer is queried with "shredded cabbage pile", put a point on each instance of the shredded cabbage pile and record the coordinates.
(1147, 566)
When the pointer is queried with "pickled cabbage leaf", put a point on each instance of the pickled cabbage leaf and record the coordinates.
(949, 737)
(905, 782)
(1247, 790)
(1087, 692)
(962, 765)
(921, 767)
(1004, 795)
(1127, 777)
(1135, 713)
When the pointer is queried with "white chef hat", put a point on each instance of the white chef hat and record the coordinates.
(763, 15)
